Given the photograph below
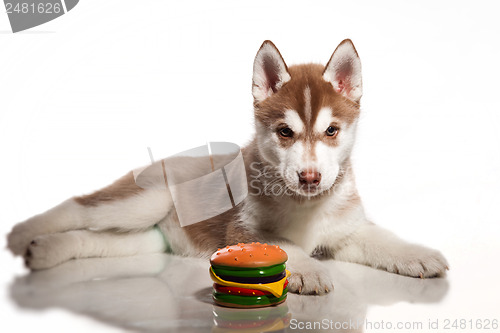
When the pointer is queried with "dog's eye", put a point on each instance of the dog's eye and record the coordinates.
(286, 132)
(332, 131)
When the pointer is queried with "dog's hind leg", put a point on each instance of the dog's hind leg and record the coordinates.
(122, 206)
(49, 250)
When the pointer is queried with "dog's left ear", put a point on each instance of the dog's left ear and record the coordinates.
(269, 72)
(343, 71)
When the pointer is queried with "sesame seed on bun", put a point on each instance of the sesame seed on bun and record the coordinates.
(249, 255)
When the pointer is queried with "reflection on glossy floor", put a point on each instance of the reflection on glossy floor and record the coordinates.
(171, 293)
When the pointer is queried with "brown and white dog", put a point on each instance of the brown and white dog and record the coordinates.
(302, 194)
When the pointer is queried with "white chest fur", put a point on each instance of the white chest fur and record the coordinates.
(311, 222)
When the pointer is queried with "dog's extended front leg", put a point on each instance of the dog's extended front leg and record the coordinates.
(123, 206)
(308, 275)
(374, 246)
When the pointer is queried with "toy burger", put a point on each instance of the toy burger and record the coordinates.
(249, 275)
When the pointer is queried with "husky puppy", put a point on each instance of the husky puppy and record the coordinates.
(302, 194)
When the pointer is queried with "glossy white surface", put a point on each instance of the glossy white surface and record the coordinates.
(159, 292)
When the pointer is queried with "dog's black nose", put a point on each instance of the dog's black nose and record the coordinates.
(310, 177)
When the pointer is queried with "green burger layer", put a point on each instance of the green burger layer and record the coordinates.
(249, 300)
(249, 271)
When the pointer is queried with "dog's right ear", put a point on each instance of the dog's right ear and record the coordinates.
(269, 72)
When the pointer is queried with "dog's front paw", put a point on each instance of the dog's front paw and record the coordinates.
(310, 278)
(47, 251)
(419, 261)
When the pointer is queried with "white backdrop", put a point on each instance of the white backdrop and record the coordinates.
(83, 96)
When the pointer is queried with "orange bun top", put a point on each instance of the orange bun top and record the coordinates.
(249, 255)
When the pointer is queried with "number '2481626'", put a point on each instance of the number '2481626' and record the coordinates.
(32, 8)
(471, 324)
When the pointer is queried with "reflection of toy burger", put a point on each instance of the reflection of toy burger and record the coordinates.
(249, 275)
(271, 319)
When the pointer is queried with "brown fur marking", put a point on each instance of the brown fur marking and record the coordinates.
(307, 93)
(219, 231)
(291, 96)
(123, 188)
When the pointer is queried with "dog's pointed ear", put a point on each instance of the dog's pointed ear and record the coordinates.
(343, 71)
(269, 72)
